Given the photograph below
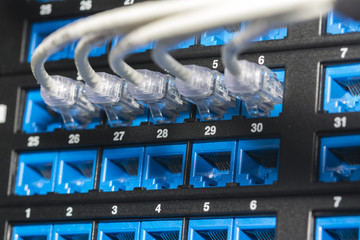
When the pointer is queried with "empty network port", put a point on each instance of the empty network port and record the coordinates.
(38, 232)
(342, 88)
(280, 73)
(258, 162)
(164, 166)
(340, 159)
(213, 164)
(38, 117)
(185, 44)
(339, 24)
(75, 171)
(35, 173)
(261, 228)
(210, 229)
(337, 228)
(118, 231)
(121, 169)
(78, 231)
(40, 30)
(161, 230)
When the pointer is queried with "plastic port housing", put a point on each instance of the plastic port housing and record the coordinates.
(39, 232)
(213, 164)
(340, 159)
(78, 231)
(140, 49)
(261, 228)
(280, 73)
(76, 171)
(339, 24)
(164, 166)
(161, 230)
(40, 30)
(121, 169)
(258, 162)
(185, 44)
(337, 228)
(342, 88)
(210, 229)
(36, 173)
(38, 117)
(118, 230)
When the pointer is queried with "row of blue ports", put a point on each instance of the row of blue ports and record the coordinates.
(213, 164)
(254, 228)
(38, 117)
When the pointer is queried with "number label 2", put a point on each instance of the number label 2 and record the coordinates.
(69, 212)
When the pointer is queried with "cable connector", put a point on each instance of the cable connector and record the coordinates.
(112, 95)
(257, 86)
(157, 91)
(69, 100)
(207, 90)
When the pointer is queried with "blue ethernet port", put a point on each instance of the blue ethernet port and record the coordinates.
(77, 231)
(161, 230)
(35, 173)
(280, 73)
(140, 49)
(121, 169)
(38, 117)
(40, 30)
(32, 232)
(213, 164)
(185, 44)
(258, 162)
(337, 228)
(118, 230)
(164, 166)
(76, 170)
(342, 89)
(210, 229)
(258, 228)
(340, 24)
(340, 159)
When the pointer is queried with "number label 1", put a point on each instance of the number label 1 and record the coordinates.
(206, 207)
(337, 201)
(257, 127)
(69, 212)
(162, 133)
(28, 212)
(74, 138)
(118, 136)
(33, 141)
(253, 205)
(210, 130)
(340, 122)
(158, 208)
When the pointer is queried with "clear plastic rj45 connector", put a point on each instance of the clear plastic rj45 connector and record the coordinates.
(257, 86)
(113, 96)
(157, 91)
(69, 100)
(207, 90)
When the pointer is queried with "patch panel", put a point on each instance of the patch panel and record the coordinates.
(258, 162)
(341, 88)
(40, 30)
(38, 117)
(121, 169)
(51, 171)
(339, 24)
(164, 166)
(340, 159)
(334, 228)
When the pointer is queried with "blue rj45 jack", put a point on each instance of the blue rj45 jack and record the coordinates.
(340, 159)
(214, 229)
(40, 30)
(36, 173)
(258, 162)
(258, 228)
(78, 231)
(213, 164)
(342, 88)
(121, 169)
(161, 230)
(339, 24)
(41, 232)
(119, 230)
(164, 166)
(334, 228)
(76, 171)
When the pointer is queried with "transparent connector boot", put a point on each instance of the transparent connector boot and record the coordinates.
(158, 93)
(207, 90)
(257, 86)
(113, 96)
(69, 100)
